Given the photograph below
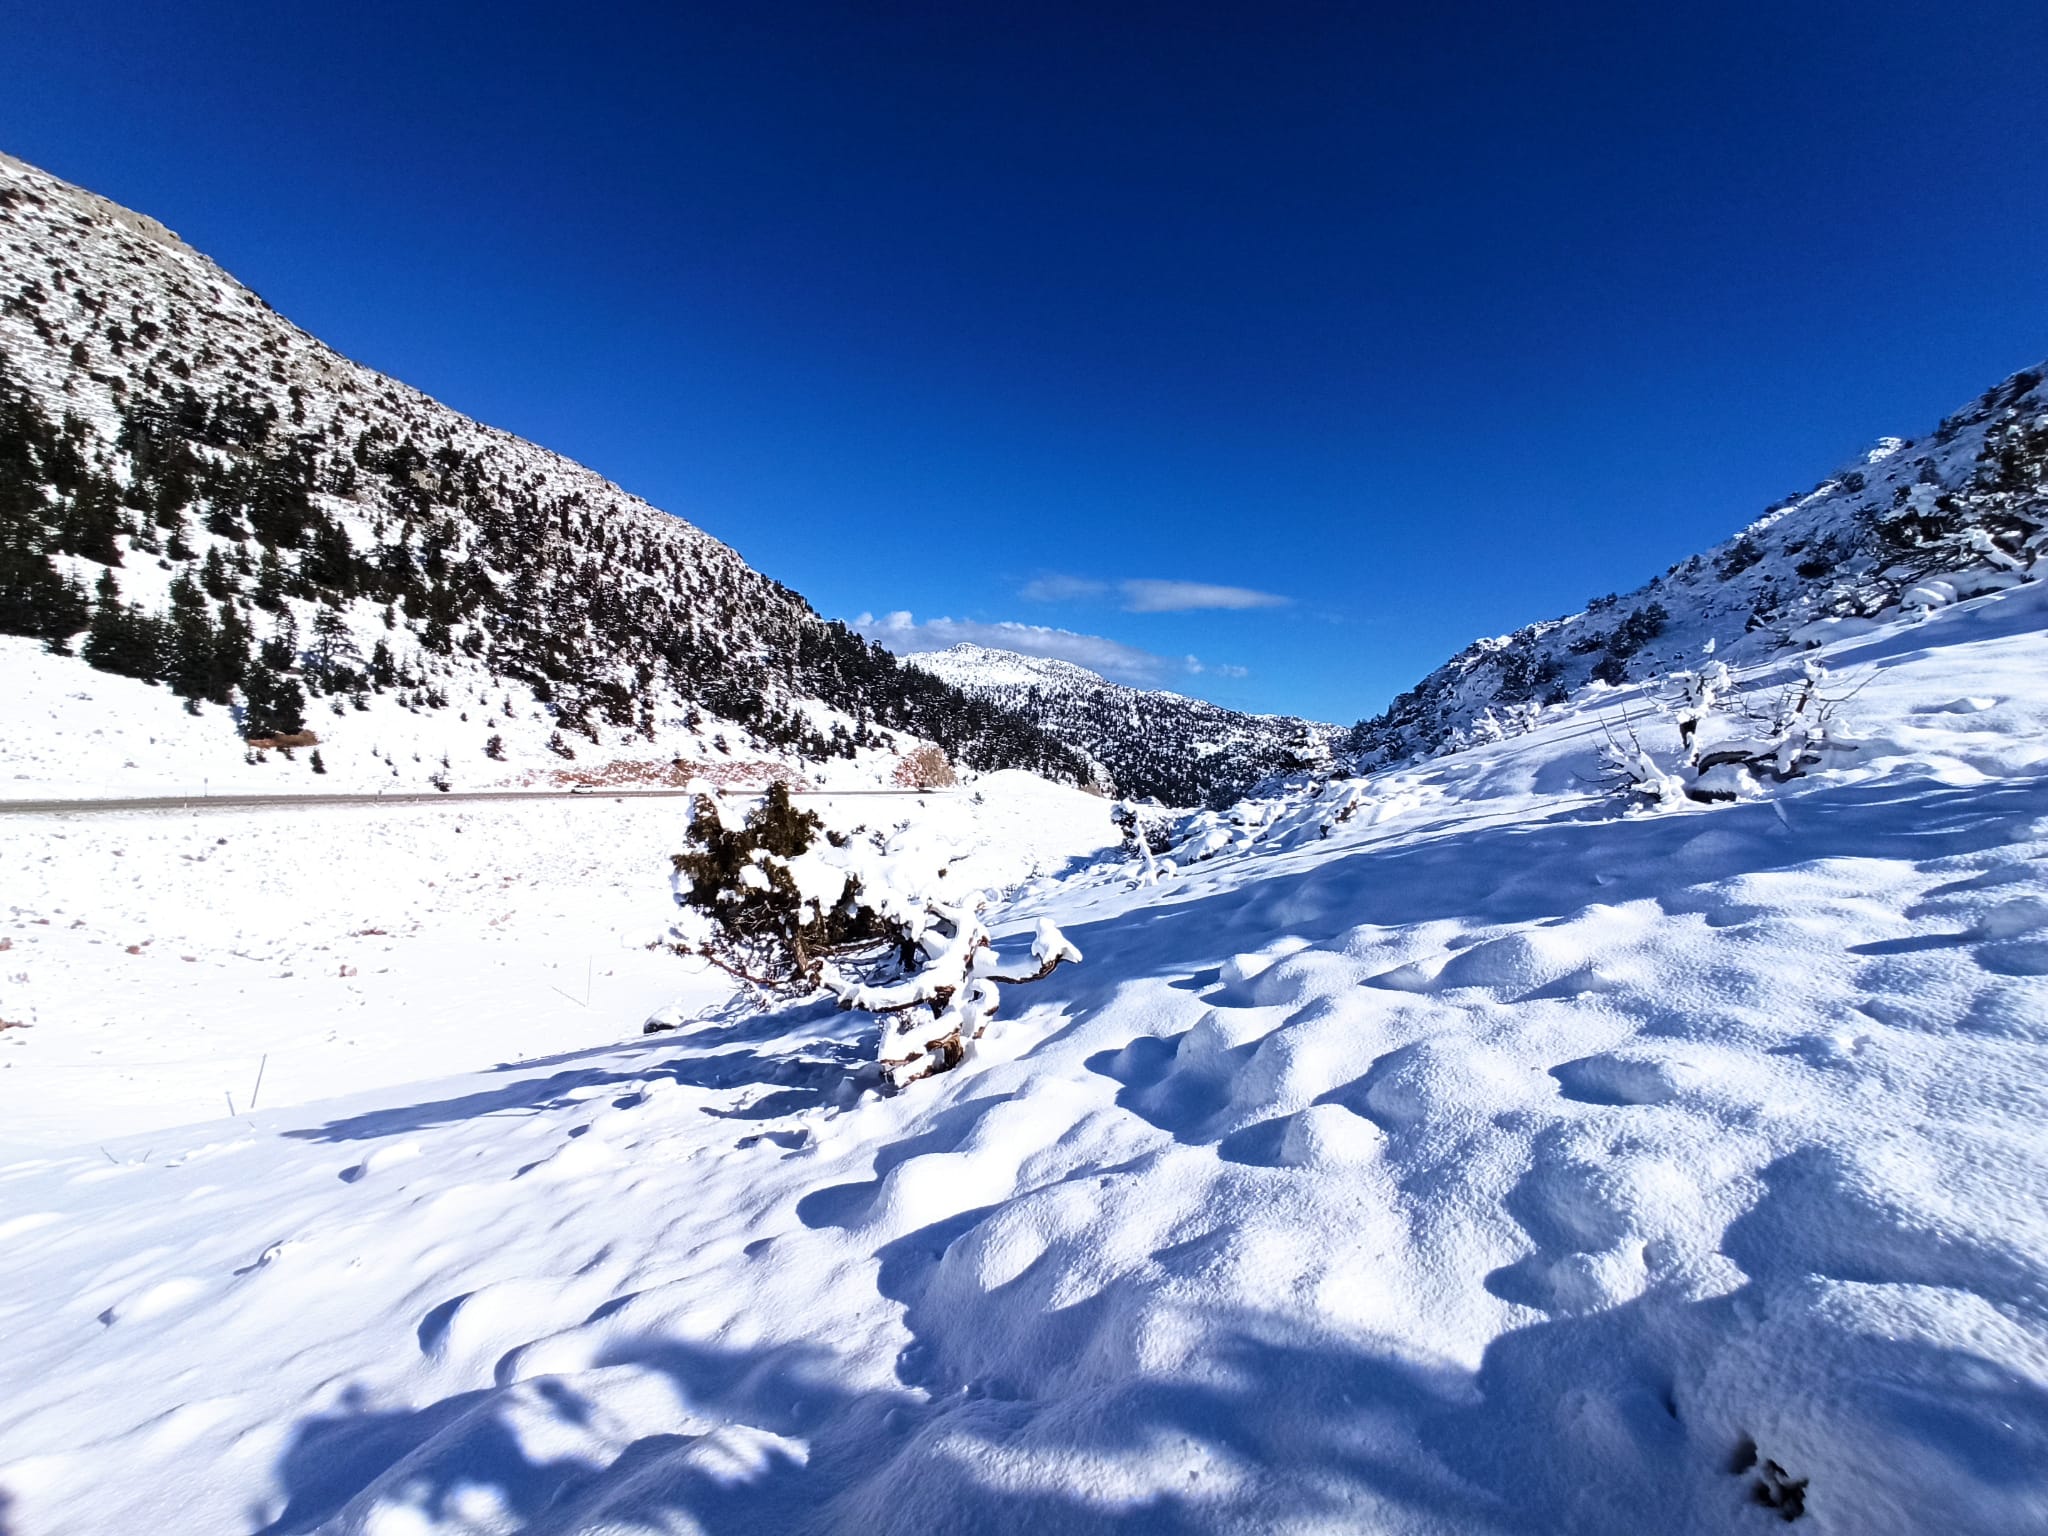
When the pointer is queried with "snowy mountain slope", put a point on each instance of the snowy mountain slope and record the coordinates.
(1178, 750)
(1500, 1161)
(196, 494)
(1912, 526)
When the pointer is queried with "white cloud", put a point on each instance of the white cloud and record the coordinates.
(1147, 594)
(1151, 596)
(902, 633)
(1061, 589)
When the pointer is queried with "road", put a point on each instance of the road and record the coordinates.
(294, 802)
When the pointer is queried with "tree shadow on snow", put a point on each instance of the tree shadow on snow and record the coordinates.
(811, 1069)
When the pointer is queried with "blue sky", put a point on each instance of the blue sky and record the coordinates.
(1296, 344)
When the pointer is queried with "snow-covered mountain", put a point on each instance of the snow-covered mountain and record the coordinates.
(1911, 526)
(195, 493)
(1179, 750)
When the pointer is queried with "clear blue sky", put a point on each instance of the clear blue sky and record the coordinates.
(1429, 320)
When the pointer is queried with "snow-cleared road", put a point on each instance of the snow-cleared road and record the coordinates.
(205, 802)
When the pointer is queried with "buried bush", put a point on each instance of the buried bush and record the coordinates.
(1772, 747)
(766, 904)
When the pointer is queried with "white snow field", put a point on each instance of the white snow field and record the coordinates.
(1501, 1162)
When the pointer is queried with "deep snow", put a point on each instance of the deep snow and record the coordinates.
(1500, 1162)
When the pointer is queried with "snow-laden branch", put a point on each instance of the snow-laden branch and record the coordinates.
(1799, 735)
(933, 1016)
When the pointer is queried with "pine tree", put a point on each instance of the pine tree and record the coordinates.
(269, 593)
(280, 652)
(275, 704)
(122, 639)
(333, 660)
(91, 521)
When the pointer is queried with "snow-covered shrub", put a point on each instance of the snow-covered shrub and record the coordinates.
(1795, 736)
(1148, 832)
(946, 992)
(761, 906)
(770, 904)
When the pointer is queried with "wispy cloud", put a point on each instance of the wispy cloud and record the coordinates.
(1062, 589)
(1148, 594)
(904, 634)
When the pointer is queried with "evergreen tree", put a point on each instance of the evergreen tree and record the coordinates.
(333, 660)
(91, 520)
(270, 582)
(280, 652)
(199, 662)
(122, 639)
(275, 704)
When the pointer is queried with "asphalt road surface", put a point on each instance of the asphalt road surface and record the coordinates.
(295, 802)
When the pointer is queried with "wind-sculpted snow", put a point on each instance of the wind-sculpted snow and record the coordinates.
(1488, 1158)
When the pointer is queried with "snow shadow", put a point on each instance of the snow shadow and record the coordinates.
(793, 1051)
(1578, 1423)
(775, 1440)
(1526, 871)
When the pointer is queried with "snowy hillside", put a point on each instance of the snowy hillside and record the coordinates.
(1178, 750)
(1912, 526)
(204, 508)
(1466, 1148)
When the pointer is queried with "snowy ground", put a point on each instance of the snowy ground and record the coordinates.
(152, 965)
(75, 733)
(1499, 1164)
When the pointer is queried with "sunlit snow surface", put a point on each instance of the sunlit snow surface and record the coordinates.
(1497, 1163)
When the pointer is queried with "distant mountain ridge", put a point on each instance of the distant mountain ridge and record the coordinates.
(1153, 743)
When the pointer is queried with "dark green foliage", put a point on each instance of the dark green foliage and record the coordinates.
(122, 639)
(269, 592)
(276, 705)
(280, 650)
(333, 663)
(35, 598)
(202, 660)
(1637, 630)
(765, 932)
(90, 520)
(1741, 555)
